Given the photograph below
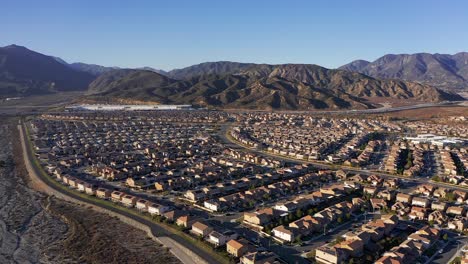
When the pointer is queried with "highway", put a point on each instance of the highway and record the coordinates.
(158, 230)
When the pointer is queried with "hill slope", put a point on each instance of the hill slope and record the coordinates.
(289, 86)
(208, 68)
(448, 72)
(25, 72)
(93, 69)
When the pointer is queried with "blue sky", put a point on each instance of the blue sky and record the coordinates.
(175, 34)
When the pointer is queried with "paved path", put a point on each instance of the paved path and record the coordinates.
(187, 252)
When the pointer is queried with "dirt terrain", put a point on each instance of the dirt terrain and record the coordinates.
(35, 228)
(431, 112)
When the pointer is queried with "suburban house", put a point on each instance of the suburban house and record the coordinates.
(420, 201)
(221, 238)
(404, 198)
(129, 200)
(237, 248)
(116, 196)
(103, 193)
(284, 233)
(262, 257)
(157, 209)
(201, 229)
(330, 255)
(186, 221)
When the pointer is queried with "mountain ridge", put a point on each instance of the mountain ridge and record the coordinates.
(26, 72)
(288, 86)
(445, 71)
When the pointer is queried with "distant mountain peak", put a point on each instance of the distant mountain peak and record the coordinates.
(445, 71)
(14, 46)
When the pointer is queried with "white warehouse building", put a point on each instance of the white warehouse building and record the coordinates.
(116, 107)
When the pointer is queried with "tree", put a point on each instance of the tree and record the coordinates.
(339, 239)
(311, 254)
(450, 196)
(436, 178)
(298, 239)
(299, 213)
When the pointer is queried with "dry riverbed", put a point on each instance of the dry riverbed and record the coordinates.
(35, 228)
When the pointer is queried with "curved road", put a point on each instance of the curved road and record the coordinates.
(157, 230)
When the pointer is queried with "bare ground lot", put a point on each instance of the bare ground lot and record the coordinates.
(431, 112)
(35, 228)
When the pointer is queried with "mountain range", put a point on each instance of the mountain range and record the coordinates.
(262, 86)
(220, 84)
(25, 72)
(444, 71)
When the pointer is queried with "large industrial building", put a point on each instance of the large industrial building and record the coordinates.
(116, 107)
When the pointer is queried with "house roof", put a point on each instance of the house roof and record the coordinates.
(235, 244)
(200, 225)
